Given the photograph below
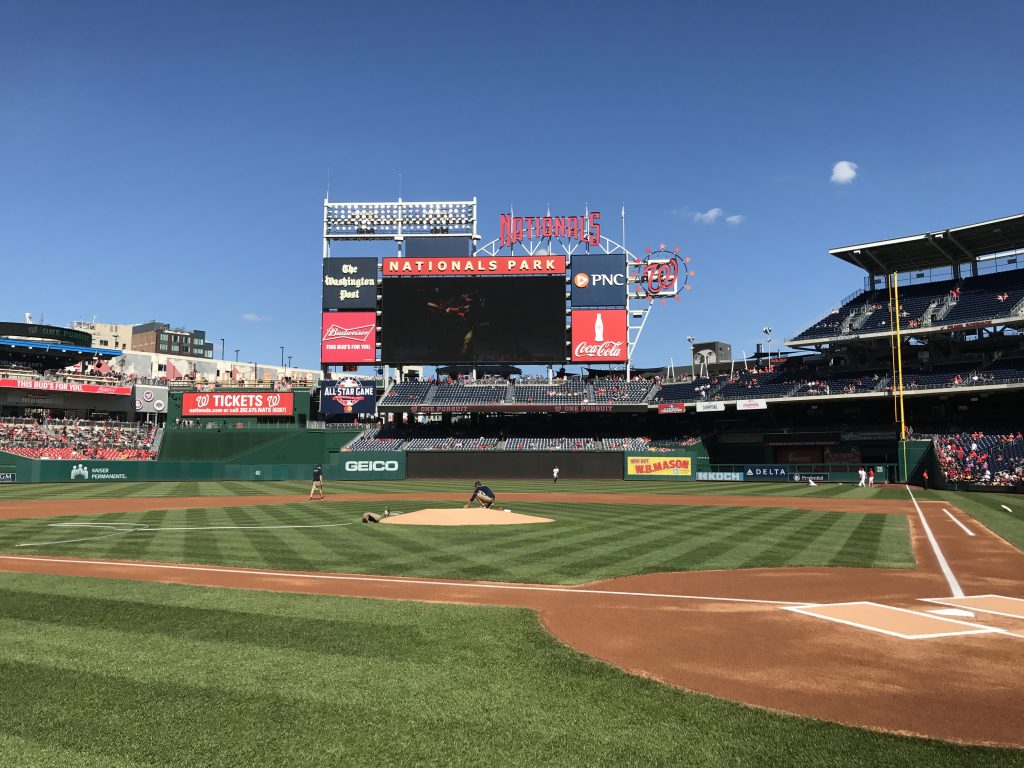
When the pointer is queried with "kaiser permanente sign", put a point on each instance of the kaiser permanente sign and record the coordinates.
(236, 404)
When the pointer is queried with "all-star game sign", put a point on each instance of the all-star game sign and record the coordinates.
(349, 395)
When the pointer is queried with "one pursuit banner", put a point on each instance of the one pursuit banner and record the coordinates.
(347, 396)
(658, 466)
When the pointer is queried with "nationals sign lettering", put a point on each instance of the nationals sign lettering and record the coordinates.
(599, 335)
(236, 404)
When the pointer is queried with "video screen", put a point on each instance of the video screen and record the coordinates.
(473, 320)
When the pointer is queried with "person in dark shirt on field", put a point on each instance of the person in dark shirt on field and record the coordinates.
(483, 494)
(318, 482)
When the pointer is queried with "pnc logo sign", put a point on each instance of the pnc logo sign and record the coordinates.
(599, 280)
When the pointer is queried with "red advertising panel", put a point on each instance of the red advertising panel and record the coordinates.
(671, 407)
(65, 386)
(474, 265)
(599, 335)
(236, 404)
(348, 337)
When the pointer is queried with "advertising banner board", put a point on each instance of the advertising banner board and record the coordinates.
(658, 466)
(774, 473)
(599, 280)
(348, 337)
(707, 407)
(721, 477)
(671, 407)
(236, 404)
(350, 283)
(465, 266)
(599, 335)
(348, 396)
(65, 386)
(751, 405)
(803, 477)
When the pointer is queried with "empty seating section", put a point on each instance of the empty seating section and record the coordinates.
(78, 439)
(976, 457)
(841, 383)
(756, 384)
(612, 391)
(940, 376)
(472, 444)
(373, 440)
(407, 392)
(686, 392)
(987, 297)
(456, 394)
(1003, 371)
(945, 302)
(560, 392)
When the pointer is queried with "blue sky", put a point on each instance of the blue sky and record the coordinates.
(169, 161)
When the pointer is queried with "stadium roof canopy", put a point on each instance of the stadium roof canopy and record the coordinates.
(944, 248)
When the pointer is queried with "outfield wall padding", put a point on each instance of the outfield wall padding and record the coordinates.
(515, 465)
(354, 465)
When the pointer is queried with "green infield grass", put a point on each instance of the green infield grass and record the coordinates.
(587, 542)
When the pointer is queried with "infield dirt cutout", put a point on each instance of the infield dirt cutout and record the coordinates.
(464, 517)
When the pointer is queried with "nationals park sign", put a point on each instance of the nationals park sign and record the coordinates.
(236, 404)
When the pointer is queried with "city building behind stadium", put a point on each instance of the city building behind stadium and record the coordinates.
(446, 357)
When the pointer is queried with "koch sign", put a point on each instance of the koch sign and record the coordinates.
(599, 336)
(599, 280)
(775, 473)
(236, 404)
(348, 337)
(350, 283)
(347, 396)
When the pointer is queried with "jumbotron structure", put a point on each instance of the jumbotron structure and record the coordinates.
(550, 290)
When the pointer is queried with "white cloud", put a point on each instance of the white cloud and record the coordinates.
(736, 218)
(709, 216)
(254, 318)
(844, 172)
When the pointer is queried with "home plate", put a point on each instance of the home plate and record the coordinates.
(953, 612)
(478, 516)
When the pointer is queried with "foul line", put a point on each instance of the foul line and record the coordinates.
(954, 585)
(966, 530)
(388, 580)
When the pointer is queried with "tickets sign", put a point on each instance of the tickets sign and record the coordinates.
(236, 404)
(658, 466)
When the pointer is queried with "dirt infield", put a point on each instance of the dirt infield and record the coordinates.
(731, 633)
(66, 507)
(464, 517)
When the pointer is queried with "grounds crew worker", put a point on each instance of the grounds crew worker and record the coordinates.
(318, 482)
(483, 494)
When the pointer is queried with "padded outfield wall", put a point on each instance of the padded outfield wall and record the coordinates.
(355, 465)
(515, 465)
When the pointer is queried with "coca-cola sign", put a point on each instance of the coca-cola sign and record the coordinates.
(599, 336)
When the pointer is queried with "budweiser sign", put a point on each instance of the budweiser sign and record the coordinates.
(348, 337)
(395, 266)
(516, 229)
(600, 335)
(236, 404)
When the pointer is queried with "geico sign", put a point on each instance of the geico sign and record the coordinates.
(371, 466)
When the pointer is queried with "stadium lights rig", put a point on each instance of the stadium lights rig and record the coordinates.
(400, 219)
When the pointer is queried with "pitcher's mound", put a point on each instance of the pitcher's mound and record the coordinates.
(464, 517)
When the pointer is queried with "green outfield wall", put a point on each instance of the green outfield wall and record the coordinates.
(253, 445)
(354, 465)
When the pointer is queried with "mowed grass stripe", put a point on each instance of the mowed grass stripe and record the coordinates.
(125, 674)
(584, 544)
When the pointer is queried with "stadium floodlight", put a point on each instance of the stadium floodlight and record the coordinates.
(691, 339)
(400, 219)
(768, 335)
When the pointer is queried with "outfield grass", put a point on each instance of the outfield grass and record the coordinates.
(107, 673)
(586, 543)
